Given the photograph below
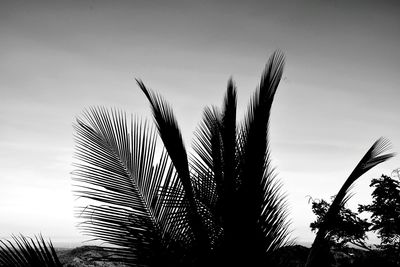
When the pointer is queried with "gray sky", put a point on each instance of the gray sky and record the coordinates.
(339, 94)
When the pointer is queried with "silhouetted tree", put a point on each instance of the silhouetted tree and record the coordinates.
(320, 252)
(160, 207)
(221, 205)
(385, 214)
(348, 227)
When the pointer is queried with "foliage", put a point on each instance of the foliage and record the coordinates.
(348, 227)
(141, 206)
(385, 219)
(27, 252)
(385, 209)
(320, 251)
(220, 205)
(385, 213)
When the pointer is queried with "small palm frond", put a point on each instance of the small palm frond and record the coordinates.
(373, 157)
(207, 160)
(171, 136)
(215, 162)
(27, 252)
(229, 152)
(207, 138)
(207, 170)
(134, 191)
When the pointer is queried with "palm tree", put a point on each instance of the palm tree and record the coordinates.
(319, 254)
(157, 206)
(28, 252)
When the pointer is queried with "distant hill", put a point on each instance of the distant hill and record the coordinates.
(85, 256)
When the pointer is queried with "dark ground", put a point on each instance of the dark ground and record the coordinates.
(291, 256)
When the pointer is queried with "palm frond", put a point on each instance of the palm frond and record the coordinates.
(273, 220)
(171, 136)
(120, 173)
(215, 161)
(28, 252)
(254, 147)
(229, 154)
(206, 162)
(255, 173)
(373, 157)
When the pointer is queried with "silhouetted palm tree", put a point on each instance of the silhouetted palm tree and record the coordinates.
(160, 207)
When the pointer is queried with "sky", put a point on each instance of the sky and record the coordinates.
(339, 91)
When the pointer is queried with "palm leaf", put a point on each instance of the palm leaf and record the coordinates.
(261, 208)
(207, 168)
(373, 157)
(131, 187)
(206, 162)
(229, 153)
(171, 136)
(27, 252)
(215, 161)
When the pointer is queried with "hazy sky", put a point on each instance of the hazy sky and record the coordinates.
(339, 93)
